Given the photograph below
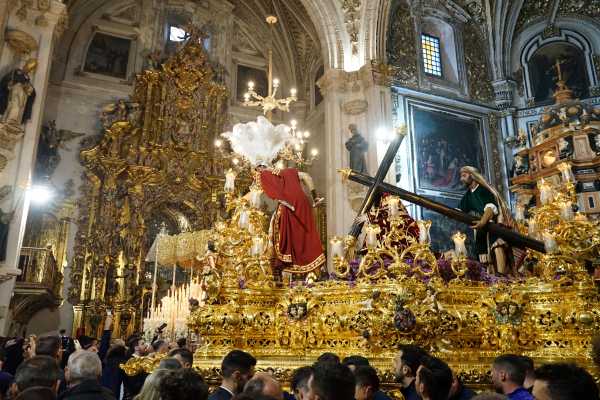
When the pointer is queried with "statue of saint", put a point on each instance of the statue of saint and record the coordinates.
(210, 280)
(484, 202)
(17, 95)
(357, 146)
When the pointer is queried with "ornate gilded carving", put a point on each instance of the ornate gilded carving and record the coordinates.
(478, 71)
(401, 48)
(154, 162)
(531, 10)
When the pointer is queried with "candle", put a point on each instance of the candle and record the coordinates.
(520, 212)
(372, 232)
(459, 244)
(258, 245)
(314, 152)
(546, 194)
(251, 85)
(566, 210)
(230, 181)
(424, 226)
(337, 247)
(244, 219)
(275, 83)
(255, 198)
(532, 228)
(549, 242)
(393, 205)
(293, 92)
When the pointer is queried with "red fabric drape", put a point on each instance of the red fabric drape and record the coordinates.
(295, 238)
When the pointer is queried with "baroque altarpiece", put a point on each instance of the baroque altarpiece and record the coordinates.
(154, 164)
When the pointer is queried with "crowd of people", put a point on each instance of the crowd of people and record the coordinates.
(54, 367)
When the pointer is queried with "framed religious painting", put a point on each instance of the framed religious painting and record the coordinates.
(108, 55)
(443, 141)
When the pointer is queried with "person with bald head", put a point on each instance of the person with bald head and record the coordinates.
(264, 384)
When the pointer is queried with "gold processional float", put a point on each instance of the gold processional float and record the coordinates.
(394, 290)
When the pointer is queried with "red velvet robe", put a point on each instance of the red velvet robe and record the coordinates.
(294, 233)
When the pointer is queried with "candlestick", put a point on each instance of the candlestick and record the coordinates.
(546, 193)
(244, 220)
(424, 227)
(337, 247)
(255, 198)
(459, 244)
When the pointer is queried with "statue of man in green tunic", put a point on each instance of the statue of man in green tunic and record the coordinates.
(484, 202)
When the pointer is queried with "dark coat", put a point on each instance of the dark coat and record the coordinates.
(220, 394)
(36, 393)
(87, 390)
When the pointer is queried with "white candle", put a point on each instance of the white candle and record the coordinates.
(372, 232)
(566, 210)
(244, 219)
(459, 244)
(255, 198)
(257, 246)
(520, 212)
(546, 193)
(549, 242)
(532, 228)
(393, 204)
(424, 226)
(337, 247)
(229, 181)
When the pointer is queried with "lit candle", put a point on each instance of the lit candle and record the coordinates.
(293, 123)
(275, 83)
(337, 247)
(230, 181)
(246, 96)
(293, 92)
(393, 205)
(258, 245)
(546, 194)
(244, 220)
(459, 244)
(306, 134)
(218, 143)
(549, 242)
(235, 161)
(566, 210)
(372, 232)
(424, 227)
(314, 152)
(255, 198)
(251, 85)
(520, 212)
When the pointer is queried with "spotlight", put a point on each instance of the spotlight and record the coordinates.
(40, 194)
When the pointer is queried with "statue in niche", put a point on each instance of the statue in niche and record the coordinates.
(520, 165)
(17, 95)
(357, 146)
(5, 218)
(565, 148)
(51, 140)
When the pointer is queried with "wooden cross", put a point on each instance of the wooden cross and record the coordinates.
(374, 193)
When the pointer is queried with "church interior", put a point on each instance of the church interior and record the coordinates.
(297, 177)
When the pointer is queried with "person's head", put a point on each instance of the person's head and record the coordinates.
(562, 381)
(82, 366)
(466, 178)
(331, 381)
(151, 388)
(88, 343)
(367, 382)
(434, 379)
(407, 362)
(184, 356)
(37, 371)
(529, 372)
(329, 357)
(169, 363)
(237, 368)
(160, 347)
(353, 362)
(299, 383)
(264, 383)
(136, 345)
(183, 384)
(62, 332)
(49, 346)
(508, 373)
(182, 343)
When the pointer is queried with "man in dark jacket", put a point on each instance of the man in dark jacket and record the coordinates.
(37, 378)
(83, 373)
(237, 368)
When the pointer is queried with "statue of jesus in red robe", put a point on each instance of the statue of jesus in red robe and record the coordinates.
(296, 243)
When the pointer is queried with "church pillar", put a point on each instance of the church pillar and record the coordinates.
(362, 98)
(37, 28)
